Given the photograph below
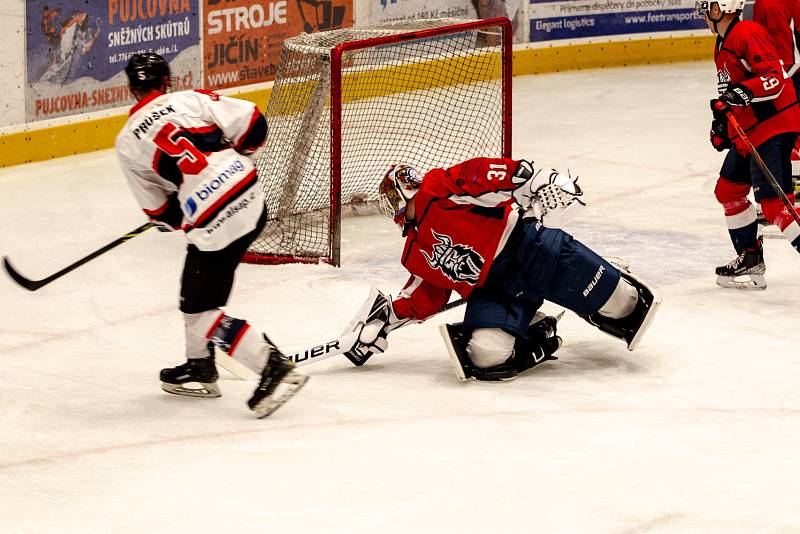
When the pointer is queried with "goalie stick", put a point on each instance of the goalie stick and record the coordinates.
(342, 344)
(33, 285)
(764, 169)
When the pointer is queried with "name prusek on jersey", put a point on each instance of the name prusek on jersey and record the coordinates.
(206, 190)
(151, 118)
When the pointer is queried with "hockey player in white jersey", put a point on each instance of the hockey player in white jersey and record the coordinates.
(186, 158)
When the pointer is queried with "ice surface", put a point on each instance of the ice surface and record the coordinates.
(696, 431)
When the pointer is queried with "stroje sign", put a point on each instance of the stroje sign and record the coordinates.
(242, 38)
(241, 18)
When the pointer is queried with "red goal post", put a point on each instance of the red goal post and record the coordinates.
(348, 103)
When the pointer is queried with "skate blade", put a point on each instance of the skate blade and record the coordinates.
(770, 232)
(291, 384)
(203, 389)
(752, 282)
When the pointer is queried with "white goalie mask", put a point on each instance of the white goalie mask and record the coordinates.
(726, 6)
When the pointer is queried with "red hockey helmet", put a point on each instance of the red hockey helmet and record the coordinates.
(398, 186)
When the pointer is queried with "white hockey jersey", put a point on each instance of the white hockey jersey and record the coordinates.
(185, 156)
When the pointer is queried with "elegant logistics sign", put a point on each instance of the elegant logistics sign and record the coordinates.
(571, 19)
(242, 38)
(77, 50)
(395, 10)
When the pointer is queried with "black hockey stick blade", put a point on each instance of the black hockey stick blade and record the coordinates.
(30, 285)
(33, 285)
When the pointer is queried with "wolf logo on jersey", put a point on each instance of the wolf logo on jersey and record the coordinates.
(459, 263)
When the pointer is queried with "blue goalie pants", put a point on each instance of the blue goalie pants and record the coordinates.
(538, 264)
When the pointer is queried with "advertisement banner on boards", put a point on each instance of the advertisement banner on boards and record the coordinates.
(572, 19)
(393, 10)
(242, 38)
(77, 50)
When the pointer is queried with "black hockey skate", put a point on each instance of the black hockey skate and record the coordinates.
(745, 271)
(279, 381)
(195, 378)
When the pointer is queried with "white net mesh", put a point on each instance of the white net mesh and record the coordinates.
(431, 102)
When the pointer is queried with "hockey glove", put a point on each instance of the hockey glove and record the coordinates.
(736, 96)
(171, 218)
(546, 196)
(372, 324)
(719, 135)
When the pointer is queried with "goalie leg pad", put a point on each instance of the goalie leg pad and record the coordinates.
(488, 347)
(456, 339)
(537, 345)
(632, 327)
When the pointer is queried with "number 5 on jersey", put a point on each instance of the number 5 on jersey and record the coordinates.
(190, 159)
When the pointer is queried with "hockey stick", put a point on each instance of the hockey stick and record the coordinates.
(33, 285)
(341, 345)
(764, 169)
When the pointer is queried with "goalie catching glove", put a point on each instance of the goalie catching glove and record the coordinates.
(546, 196)
(370, 328)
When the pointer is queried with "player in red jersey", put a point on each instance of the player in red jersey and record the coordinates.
(753, 87)
(477, 229)
(781, 18)
(186, 156)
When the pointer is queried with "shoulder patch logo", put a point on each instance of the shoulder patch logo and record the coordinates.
(459, 263)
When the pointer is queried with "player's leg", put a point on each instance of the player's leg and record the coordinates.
(617, 302)
(776, 153)
(206, 284)
(205, 287)
(746, 270)
(499, 338)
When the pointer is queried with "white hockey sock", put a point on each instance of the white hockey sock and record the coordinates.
(233, 336)
(622, 301)
(792, 234)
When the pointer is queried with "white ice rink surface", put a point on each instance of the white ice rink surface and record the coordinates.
(696, 431)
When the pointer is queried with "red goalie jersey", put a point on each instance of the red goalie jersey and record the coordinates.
(464, 216)
(746, 57)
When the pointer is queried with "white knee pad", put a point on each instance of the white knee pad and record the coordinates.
(490, 346)
(621, 302)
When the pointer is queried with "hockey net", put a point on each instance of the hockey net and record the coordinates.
(348, 103)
